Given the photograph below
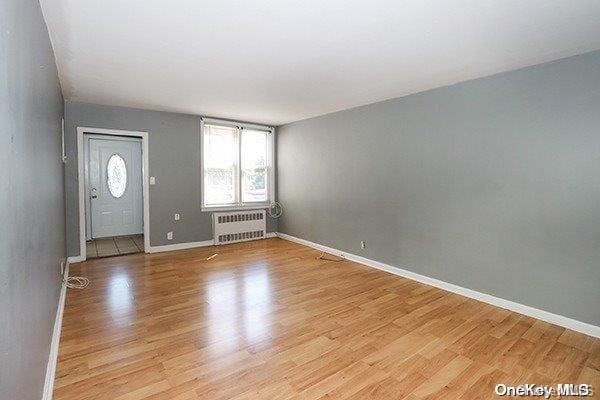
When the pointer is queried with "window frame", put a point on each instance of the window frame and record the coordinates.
(239, 205)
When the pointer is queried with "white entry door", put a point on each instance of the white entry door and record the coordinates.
(115, 186)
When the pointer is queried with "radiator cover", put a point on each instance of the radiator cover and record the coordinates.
(239, 226)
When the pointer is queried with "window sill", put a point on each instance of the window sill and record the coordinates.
(237, 207)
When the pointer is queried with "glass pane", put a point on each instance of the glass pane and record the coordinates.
(116, 175)
(220, 152)
(254, 166)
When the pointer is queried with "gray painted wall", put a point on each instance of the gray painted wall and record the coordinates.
(174, 156)
(32, 214)
(492, 184)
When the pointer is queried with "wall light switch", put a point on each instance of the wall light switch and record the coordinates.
(176, 217)
(152, 180)
(169, 235)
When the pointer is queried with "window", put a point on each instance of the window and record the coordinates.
(236, 165)
(116, 175)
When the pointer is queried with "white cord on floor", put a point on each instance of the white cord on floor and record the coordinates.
(76, 282)
(322, 256)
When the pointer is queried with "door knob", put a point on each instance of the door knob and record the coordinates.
(94, 193)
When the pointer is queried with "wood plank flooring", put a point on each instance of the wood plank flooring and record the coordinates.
(268, 320)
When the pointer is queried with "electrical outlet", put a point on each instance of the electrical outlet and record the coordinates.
(152, 180)
(176, 217)
(362, 244)
(169, 235)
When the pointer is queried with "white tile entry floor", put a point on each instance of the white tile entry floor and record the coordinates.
(115, 246)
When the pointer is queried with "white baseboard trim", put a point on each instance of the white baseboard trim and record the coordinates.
(52, 358)
(552, 318)
(171, 247)
(179, 246)
(191, 245)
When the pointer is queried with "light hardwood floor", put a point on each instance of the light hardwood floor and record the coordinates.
(267, 320)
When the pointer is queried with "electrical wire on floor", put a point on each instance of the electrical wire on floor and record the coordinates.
(76, 282)
(323, 257)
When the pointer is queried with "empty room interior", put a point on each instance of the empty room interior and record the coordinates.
(237, 200)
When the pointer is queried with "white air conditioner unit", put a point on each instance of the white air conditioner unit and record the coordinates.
(239, 226)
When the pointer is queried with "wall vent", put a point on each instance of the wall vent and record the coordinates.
(239, 226)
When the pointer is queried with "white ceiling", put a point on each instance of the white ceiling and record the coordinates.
(279, 61)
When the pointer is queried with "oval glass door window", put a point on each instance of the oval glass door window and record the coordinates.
(116, 175)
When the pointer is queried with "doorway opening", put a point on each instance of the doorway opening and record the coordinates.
(114, 246)
(113, 194)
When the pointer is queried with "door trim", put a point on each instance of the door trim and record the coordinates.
(81, 181)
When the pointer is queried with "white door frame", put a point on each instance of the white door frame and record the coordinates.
(81, 182)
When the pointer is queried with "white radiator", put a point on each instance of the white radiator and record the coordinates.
(239, 226)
